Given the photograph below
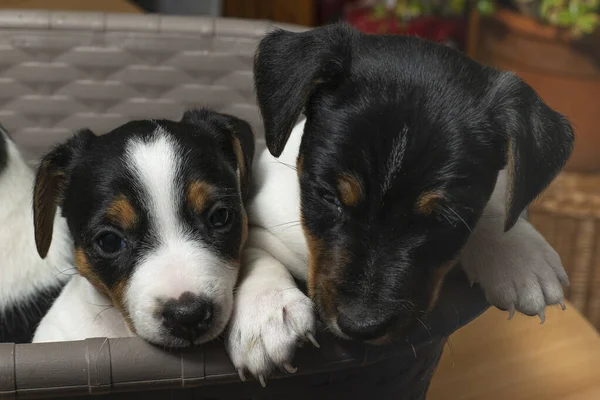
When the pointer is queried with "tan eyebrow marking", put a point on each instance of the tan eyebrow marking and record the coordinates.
(122, 213)
(428, 200)
(350, 190)
(198, 194)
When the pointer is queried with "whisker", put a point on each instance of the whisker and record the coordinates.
(424, 326)
(459, 217)
(287, 165)
(498, 215)
(106, 309)
(451, 349)
(413, 348)
(284, 223)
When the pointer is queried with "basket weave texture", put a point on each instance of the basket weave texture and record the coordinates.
(568, 215)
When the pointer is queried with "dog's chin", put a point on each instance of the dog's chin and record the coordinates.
(163, 338)
(333, 327)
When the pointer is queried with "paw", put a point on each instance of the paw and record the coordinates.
(265, 329)
(517, 270)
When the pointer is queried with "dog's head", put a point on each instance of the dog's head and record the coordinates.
(156, 212)
(401, 150)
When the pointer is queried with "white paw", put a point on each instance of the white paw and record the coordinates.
(517, 270)
(266, 327)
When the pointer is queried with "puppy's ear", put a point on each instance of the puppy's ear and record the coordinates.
(289, 67)
(51, 180)
(239, 140)
(539, 141)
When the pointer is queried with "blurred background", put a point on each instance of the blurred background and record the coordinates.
(555, 46)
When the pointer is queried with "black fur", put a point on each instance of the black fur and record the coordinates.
(3, 149)
(18, 322)
(94, 173)
(453, 123)
(88, 176)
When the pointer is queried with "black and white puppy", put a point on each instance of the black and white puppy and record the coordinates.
(28, 284)
(156, 212)
(410, 158)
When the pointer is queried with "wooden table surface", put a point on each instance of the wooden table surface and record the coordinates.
(495, 359)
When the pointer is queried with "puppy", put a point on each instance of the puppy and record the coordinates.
(410, 157)
(155, 210)
(28, 284)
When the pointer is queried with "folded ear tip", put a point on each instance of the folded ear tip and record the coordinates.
(42, 248)
(274, 148)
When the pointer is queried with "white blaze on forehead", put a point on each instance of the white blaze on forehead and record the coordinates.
(177, 262)
(394, 162)
(156, 162)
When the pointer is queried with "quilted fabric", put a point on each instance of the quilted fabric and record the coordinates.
(60, 71)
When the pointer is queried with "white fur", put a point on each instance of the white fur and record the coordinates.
(81, 312)
(23, 274)
(179, 263)
(518, 269)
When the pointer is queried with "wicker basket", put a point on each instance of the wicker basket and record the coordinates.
(65, 71)
(568, 215)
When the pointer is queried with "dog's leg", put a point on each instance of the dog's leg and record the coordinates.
(518, 270)
(271, 315)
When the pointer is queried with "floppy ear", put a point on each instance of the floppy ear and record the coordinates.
(240, 139)
(289, 67)
(51, 180)
(539, 141)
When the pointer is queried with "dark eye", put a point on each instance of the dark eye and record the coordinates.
(110, 243)
(330, 199)
(219, 218)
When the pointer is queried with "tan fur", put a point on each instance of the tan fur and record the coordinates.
(198, 194)
(350, 190)
(437, 279)
(116, 293)
(299, 165)
(428, 200)
(122, 213)
(510, 161)
(85, 269)
(48, 193)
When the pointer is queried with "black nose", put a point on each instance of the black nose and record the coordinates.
(188, 317)
(361, 323)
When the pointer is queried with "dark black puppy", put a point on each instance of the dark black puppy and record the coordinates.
(397, 159)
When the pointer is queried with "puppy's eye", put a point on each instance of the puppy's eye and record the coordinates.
(110, 243)
(330, 199)
(219, 217)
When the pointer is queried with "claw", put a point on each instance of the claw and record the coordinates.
(262, 380)
(542, 316)
(511, 311)
(313, 340)
(241, 374)
(562, 305)
(289, 368)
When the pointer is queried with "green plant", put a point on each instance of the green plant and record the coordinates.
(407, 9)
(579, 16)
